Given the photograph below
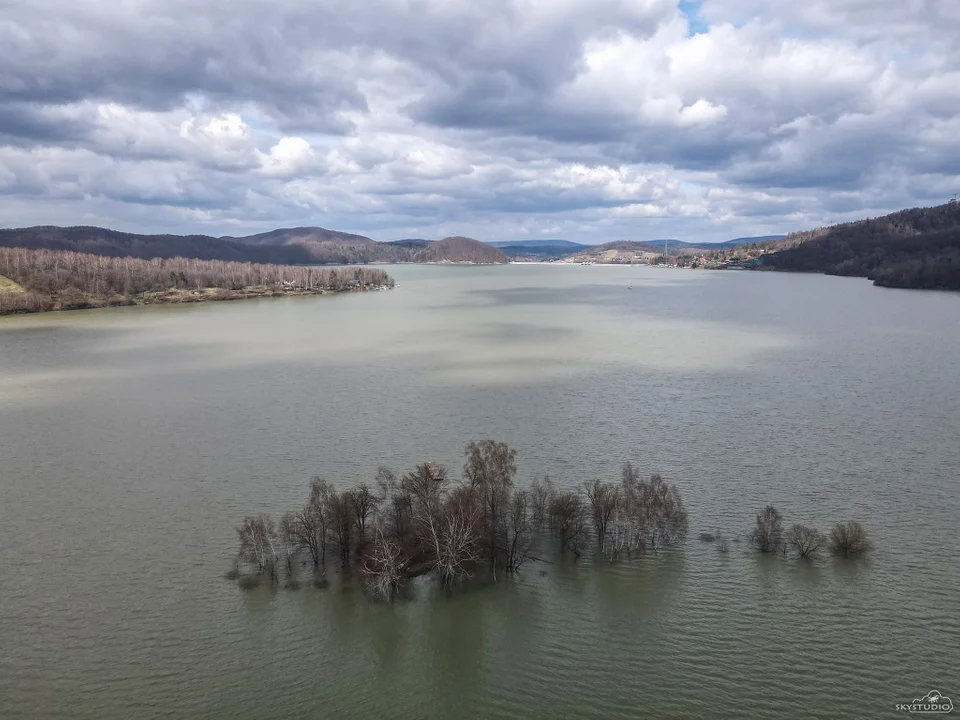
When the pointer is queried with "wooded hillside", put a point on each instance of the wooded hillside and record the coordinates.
(294, 246)
(916, 248)
(62, 280)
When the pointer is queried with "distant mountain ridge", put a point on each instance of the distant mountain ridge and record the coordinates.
(537, 244)
(286, 246)
(411, 242)
(291, 236)
(537, 249)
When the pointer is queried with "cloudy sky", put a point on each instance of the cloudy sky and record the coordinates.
(590, 120)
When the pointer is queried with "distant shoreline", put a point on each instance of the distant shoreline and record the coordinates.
(34, 281)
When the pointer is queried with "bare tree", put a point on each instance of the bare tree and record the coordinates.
(651, 513)
(301, 531)
(849, 539)
(518, 532)
(629, 480)
(289, 542)
(259, 544)
(401, 515)
(386, 481)
(604, 500)
(362, 502)
(306, 530)
(489, 470)
(665, 515)
(627, 529)
(805, 540)
(397, 504)
(567, 520)
(540, 501)
(424, 486)
(767, 535)
(452, 537)
(340, 520)
(317, 510)
(626, 536)
(384, 564)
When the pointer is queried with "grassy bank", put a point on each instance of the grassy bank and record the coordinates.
(9, 286)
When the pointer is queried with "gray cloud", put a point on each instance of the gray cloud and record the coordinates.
(590, 119)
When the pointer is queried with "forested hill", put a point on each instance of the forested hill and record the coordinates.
(292, 246)
(464, 250)
(916, 248)
(111, 243)
(299, 235)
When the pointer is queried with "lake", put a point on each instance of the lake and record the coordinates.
(134, 440)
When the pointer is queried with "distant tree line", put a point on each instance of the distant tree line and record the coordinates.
(112, 243)
(68, 279)
(917, 248)
(422, 523)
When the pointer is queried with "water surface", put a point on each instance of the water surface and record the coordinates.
(132, 441)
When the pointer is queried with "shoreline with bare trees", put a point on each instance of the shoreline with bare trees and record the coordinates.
(49, 280)
(422, 523)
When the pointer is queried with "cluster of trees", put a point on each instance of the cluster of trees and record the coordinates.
(916, 248)
(846, 539)
(64, 278)
(421, 523)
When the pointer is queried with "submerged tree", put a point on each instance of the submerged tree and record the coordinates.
(604, 502)
(397, 504)
(452, 538)
(767, 534)
(489, 471)
(805, 540)
(384, 564)
(340, 519)
(518, 536)
(567, 520)
(306, 530)
(259, 544)
(540, 501)
(849, 539)
(419, 524)
(665, 516)
(424, 486)
(362, 503)
(651, 514)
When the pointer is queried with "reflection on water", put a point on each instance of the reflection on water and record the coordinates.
(132, 441)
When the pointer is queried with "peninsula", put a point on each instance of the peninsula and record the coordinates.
(42, 280)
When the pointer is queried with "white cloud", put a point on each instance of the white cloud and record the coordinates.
(702, 112)
(290, 157)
